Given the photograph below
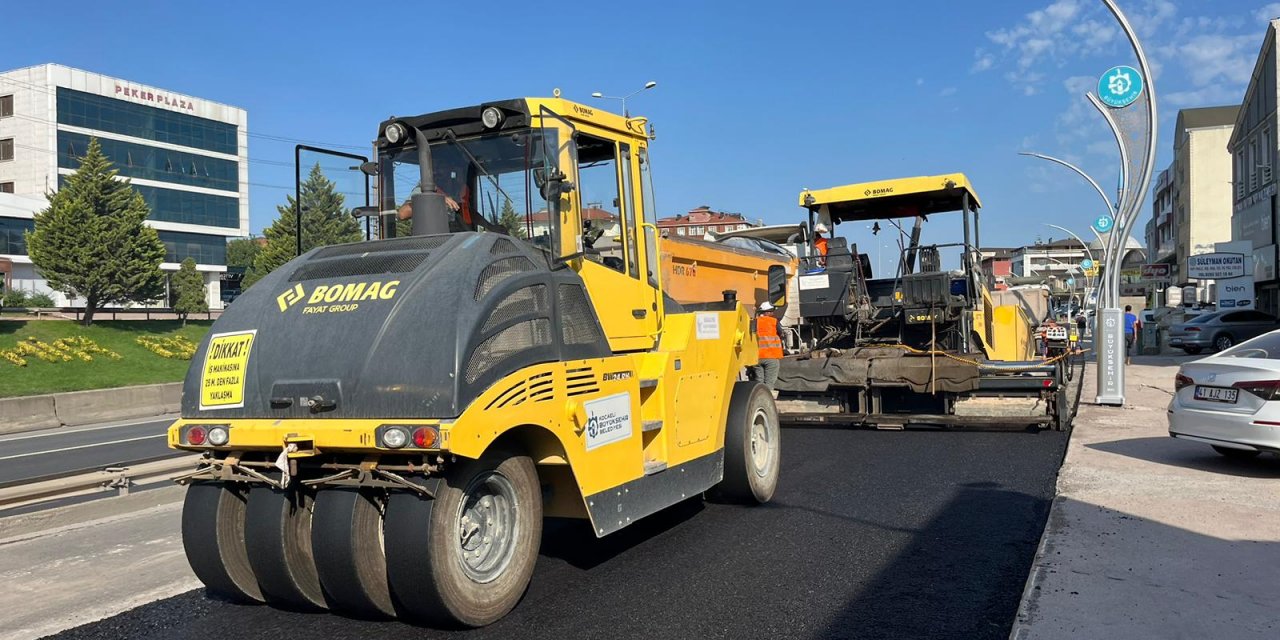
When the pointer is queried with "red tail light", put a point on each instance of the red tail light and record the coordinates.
(195, 435)
(1265, 389)
(1193, 329)
(1180, 381)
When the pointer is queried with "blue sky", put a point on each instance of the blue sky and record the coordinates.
(755, 101)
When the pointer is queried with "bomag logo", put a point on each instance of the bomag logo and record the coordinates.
(337, 298)
(879, 192)
(290, 297)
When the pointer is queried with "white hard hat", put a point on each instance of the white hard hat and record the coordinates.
(765, 306)
(820, 228)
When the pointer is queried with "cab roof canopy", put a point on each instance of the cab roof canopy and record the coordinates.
(900, 198)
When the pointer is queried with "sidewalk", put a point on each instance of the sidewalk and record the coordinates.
(1151, 537)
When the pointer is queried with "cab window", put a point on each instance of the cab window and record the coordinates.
(600, 201)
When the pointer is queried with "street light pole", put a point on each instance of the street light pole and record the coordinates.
(626, 114)
(1084, 244)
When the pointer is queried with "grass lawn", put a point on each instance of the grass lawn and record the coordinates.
(136, 366)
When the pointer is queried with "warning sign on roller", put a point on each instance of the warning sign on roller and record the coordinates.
(225, 365)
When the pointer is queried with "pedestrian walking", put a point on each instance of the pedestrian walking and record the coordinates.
(1132, 325)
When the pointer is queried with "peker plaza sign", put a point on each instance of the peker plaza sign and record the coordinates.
(158, 98)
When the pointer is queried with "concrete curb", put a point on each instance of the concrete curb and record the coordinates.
(30, 413)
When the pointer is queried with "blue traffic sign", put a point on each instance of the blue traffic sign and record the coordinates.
(1086, 264)
(1120, 86)
(1103, 224)
(1071, 282)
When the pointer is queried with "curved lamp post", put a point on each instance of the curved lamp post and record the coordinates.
(626, 114)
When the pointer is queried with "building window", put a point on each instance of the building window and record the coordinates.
(695, 231)
(6, 149)
(203, 249)
(679, 231)
(90, 111)
(152, 163)
(12, 242)
(171, 205)
(6, 187)
(6, 106)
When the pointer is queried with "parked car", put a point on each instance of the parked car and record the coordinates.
(1231, 400)
(1220, 330)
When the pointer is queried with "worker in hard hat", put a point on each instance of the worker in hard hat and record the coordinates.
(770, 344)
(820, 243)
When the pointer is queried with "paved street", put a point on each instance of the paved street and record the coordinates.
(37, 454)
(871, 535)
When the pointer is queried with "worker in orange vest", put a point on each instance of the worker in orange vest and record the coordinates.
(820, 243)
(770, 346)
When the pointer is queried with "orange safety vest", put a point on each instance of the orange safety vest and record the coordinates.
(767, 337)
(821, 245)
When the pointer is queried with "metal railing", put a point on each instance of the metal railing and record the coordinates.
(117, 480)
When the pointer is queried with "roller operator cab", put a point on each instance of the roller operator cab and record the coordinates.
(921, 345)
(385, 423)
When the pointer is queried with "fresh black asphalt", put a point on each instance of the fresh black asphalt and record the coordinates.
(914, 534)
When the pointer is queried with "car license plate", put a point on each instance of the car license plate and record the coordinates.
(1217, 394)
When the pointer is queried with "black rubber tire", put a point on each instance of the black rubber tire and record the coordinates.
(213, 523)
(1061, 409)
(1222, 342)
(346, 538)
(1191, 351)
(278, 536)
(1236, 454)
(743, 483)
(424, 562)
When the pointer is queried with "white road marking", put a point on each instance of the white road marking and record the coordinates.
(61, 431)
(84, 446)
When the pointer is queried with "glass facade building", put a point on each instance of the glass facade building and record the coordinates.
(187, 157)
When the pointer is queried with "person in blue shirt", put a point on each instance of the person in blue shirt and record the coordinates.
(1132, 325)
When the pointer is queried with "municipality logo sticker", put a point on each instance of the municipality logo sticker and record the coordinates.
(1120, 86)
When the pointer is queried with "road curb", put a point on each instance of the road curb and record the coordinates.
(74, 408)
(1029, 602)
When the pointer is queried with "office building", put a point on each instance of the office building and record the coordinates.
(187, 156)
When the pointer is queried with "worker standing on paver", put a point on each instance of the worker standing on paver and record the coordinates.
(820, 243)
(770, 347)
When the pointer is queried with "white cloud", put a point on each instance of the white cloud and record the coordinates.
(1214, 58)
(1268, 12)
(947, 92)
(982, 61)
(919, 82)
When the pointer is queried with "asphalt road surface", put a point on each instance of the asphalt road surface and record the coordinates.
(871, 535)
(25, 456)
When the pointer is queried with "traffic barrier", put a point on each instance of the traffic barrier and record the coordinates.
(113, 479)
(29, 413)
(87, 407)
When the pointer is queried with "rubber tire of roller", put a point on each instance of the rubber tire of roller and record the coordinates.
(346, 538)
(278, 538)
(741, 484)
(427, 580)
(213, 521)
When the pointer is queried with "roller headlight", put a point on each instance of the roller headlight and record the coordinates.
(395, 437)
(395, 133)
(491, 117)
(219, 436)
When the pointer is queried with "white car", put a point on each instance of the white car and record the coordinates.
(1231, 400)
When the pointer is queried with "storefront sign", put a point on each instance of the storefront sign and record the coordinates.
(1216, 266)
(1155, 271)
(1236, 293)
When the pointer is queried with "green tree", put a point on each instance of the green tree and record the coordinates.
(242, 251)
(325, 221)
(510, 220)
(92, 242)
(188, 291)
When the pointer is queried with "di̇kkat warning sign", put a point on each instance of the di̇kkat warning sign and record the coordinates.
(225, 366)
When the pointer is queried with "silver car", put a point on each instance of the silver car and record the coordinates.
(1220, 330)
